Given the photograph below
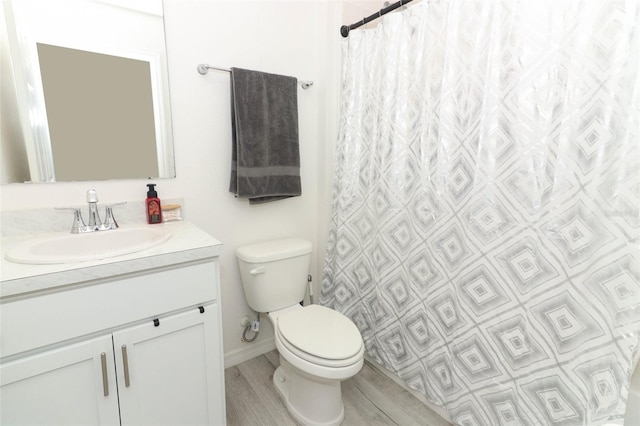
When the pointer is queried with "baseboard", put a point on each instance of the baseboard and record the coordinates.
(249, 351)
(438, 410)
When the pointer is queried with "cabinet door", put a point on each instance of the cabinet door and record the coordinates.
(172, 373)
(71, 385)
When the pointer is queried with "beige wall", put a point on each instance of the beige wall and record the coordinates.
(80, 96)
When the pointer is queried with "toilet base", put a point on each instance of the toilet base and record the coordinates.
(310, 400)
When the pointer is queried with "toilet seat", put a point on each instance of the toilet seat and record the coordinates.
(321, 336)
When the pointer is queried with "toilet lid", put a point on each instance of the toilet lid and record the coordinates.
(321, 332)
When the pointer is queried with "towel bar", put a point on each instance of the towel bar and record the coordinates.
(204, 68)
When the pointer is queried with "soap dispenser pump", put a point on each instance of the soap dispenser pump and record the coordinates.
(154, 208)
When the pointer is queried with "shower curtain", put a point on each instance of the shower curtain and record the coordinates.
(485, 226)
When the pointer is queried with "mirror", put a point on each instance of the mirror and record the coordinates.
(87, 96)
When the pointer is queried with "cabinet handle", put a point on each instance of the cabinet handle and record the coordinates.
(125, 362)
(105, 378)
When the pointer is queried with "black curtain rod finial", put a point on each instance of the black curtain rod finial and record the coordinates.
(344, 30)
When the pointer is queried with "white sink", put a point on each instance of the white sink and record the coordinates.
(67, 248)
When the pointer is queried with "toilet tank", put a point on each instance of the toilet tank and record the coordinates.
(274, 273)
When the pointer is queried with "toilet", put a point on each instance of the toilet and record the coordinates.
(318, 347)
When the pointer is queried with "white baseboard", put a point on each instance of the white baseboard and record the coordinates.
(249, 351)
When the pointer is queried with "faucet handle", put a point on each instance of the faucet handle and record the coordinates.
(109, 219)
(119, 203)
(78, 226)
(78, 223)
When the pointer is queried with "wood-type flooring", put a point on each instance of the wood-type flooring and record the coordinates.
(370, 398)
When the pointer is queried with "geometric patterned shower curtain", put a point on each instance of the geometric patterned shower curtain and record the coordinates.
(485, 232)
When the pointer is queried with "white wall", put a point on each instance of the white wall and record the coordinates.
(298, 38)
(279, 37)
(285, 37)
(13, 156)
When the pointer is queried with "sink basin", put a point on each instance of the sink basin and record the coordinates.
(67, 248)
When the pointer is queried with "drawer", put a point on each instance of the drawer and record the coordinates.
(47, 319)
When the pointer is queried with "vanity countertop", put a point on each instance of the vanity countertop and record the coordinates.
(187, 243)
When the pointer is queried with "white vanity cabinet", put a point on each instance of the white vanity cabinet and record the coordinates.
(167, 375)
(138, 348)
(63, 386)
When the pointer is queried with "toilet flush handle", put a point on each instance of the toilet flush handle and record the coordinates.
(258, 270)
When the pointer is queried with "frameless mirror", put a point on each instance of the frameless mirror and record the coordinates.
(86, 95)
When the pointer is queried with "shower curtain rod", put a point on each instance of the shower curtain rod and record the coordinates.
(344, 30)
(204, 68)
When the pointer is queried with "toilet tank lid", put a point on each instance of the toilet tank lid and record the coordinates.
(273, 250)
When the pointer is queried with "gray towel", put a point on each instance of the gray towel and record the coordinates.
(265, 151)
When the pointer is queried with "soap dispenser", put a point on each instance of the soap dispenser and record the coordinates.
(154, 208)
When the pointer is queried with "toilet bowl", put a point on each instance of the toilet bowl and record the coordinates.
(319, 340)
(318, 347)
(314, 360)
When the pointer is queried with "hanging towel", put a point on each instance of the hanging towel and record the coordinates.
(265, 163)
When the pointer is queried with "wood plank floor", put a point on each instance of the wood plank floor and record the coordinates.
(370, 398)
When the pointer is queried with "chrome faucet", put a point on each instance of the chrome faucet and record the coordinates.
(95, 222)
